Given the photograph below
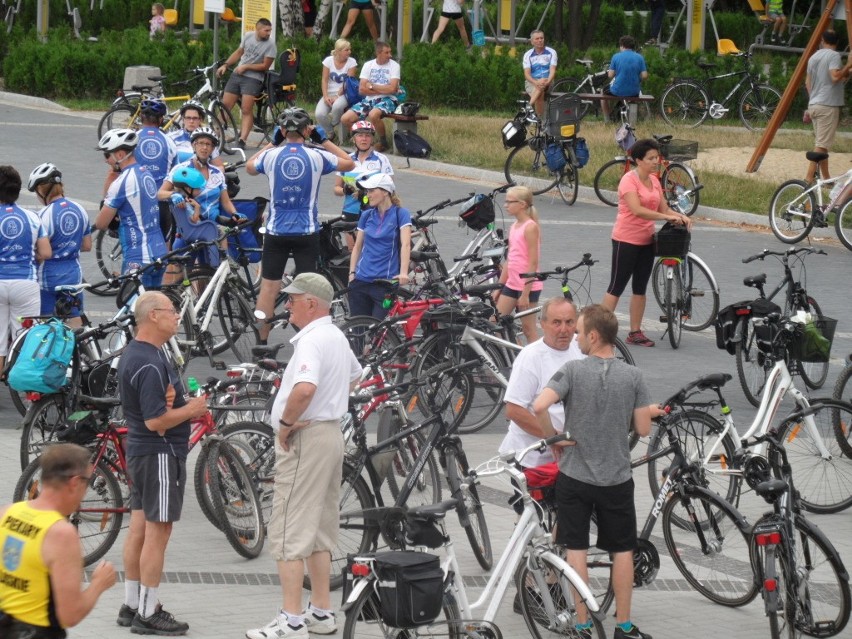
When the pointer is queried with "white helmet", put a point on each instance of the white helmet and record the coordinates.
(118, 139)
(42, 174)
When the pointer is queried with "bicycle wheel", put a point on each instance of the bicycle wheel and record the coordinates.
(121, 116)
(41, 423)
(20, 401)
(824, 484)
(684, 103)
(712, 550)
(218, 129)
(564, 85)
(365, 339)
(568, 184)
(231, 133)
(623, 353)
(108, 255)
(364, 620)
(469, 509)
(678, 182)
(236, 318)
(791, 213)
(255, 443)
(757, 106)
(843, 224)
(526, 166)
(843, 392)
(607, 179)
(698, 434)
(235, 500)
(813, 374)
(674, 313)
(547, 602)
(427, 487)
(753, 365)
(203, 486)
(701, 297)
(99, 517)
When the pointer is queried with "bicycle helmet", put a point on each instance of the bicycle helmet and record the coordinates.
(294, 120)
(42, 174)
(363, 126)
(118, 139)
(193, 104)
(204, 132)
(187, 177)
(155, 108)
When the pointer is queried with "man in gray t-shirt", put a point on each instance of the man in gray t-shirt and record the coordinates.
(601, 396)
(256, 54)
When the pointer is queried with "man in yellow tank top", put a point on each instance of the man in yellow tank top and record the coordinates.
(42, 567)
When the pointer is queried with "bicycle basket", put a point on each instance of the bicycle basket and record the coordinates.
(410, 587)
(812, 342)
(671, 241)
(79, 428)
(565, 110)
(679, 150)
(477, 212)
(514, 134)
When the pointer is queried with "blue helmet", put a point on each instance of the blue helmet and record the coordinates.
(156, 108)
(187, 177)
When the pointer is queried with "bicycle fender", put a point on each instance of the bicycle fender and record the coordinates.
(817, 533)
(731, 511)
(580, 585)
(360, 586)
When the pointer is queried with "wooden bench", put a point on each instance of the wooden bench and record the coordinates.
(632, 108)
(403, 122)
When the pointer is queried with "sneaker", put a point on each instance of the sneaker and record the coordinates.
(320, 625)
(634, 633)
(276, 629)
(242, 144)
(583, 633)
(160, 623)
(125, 616)
(638, 338)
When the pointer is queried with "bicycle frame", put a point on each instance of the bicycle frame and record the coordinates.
(748, 79)
(212, 292)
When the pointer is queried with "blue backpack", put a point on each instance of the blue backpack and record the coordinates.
(352, 89)
(43, 359)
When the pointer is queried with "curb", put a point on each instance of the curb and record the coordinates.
(28, 100)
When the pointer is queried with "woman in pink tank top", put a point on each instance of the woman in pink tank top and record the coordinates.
(524, 252)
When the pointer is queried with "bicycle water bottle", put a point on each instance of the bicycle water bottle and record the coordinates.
(192, 386)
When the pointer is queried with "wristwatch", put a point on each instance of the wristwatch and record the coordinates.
(283, 423)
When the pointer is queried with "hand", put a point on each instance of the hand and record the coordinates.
(103, 576)
(277, 136)
(222, 70)
(239, 70)
(318, 135)
(348, 189)
(330, 101)
(402, 278)
(197, 406)
(656, 411)
(351, 276)
(170, 396)
(178, 200)
(524, 302)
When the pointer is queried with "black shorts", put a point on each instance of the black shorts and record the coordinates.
(157, 484)
(239, 84)
(630, 261)
(608, 91)
(452, 15)
(277, 248)
(510, 292)
(360, 5)
(613, 507)
(309, 8)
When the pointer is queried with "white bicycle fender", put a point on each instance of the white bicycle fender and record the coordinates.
(576, 581)
(357, 589)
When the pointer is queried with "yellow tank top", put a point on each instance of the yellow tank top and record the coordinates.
(25, 592)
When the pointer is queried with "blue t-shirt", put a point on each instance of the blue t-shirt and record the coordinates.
(134, 196)
(539, 63)
(19, 231)
(374, 163)
(294, 173)
(379, 257)
(66, 224)
(156, 152)
(628, 66)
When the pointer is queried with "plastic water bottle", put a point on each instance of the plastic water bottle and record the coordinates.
(192, 386)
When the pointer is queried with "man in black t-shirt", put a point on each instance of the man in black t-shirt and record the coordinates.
(157, 411)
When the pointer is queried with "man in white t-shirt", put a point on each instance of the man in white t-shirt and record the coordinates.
(539, 65)
(531, 371)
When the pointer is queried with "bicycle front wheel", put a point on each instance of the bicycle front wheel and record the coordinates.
(427, 486)
(684, 103)
(108, 255)
(753, 364)
(678, 187)
(824, 482)
(230, 132)
(526, 166)
(674, 318)
(700, 296)
(607, 179)
(41, 423)
(813, 374)
(712, 550)
(843, 224)
(470, 511)
(791, 213)
(757, 106)
(255, 443)
(568, 184)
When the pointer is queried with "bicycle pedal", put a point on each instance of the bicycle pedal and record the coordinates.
(219, 365)
(664, 319)
(695, 292)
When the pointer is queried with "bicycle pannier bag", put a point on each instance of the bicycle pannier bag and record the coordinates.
(581, 151)
(410, 587)
(514, 134)
(79, 428)
(477, 212)
(43, 359)
(726, 325)
(765, 333)
(411, 145)
(555, 157)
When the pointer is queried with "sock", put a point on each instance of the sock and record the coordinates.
(131, 593)
(626, 626)
(148, 601)
(583, 626)
(320, 612)
(294, 621)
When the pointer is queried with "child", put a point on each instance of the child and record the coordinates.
(158, 21)
(775, 14)
(524, 252)
(452, 10)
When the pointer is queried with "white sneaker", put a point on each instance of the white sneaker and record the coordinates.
(320, 625)
(277, 629)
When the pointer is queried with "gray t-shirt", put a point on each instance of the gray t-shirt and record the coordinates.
(254, 52)
(599, 396)
(823, 90)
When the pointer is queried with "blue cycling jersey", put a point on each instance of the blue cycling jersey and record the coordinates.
(134, 196)
(66, 224)
(19, 231)
(294, 173)
(156, 152)
(374, 163)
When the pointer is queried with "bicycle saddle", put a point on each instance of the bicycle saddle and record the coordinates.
(271, 365)
(141, 88)
(433, 511)
(156, 78)
(706, 65)
(714, 380)
(482, 290)
(771, 489)
(755, 280)
(424, 256)
(266, 351)
(182, 259)
(99, 403)
(585, 63)
(344, 226)
(816, 156)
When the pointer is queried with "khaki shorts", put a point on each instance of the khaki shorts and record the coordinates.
(306, 497)
(825, 120)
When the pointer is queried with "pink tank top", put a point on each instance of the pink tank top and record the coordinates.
(518, 261)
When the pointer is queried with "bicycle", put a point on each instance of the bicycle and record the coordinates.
(689, 101)
(679, 182)
(797, 206)
(595, 83)
(804, 584)
(549, 588)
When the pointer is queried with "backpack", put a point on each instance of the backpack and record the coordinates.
(43, 359)
(411, 145)
(351, 89)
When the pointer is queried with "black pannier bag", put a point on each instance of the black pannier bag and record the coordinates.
(411, 588)
(477, 212)
(729, 317)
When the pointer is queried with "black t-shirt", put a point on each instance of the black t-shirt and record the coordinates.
(144, 373)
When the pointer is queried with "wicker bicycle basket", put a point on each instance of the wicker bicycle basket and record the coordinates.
(679, 150)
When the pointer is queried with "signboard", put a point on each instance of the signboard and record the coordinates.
(254, 10)
(214, 6)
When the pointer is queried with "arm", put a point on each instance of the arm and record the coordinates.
(86, 244)
(631, 198)
(324, 85)
(356, 253)
(166, 190)
(262, 67)
(104, 218)
(642, 420)
(172, 417)
(232, 59)
(251, 165)
(367, 88)
(43, 250)
(643, 75)
(404, 253)
(338, 186)
(542, 403)
(225, 203)
(526, 420)
(298, 401)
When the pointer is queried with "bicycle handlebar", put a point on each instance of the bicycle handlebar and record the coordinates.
(561, 270)
(786, 253)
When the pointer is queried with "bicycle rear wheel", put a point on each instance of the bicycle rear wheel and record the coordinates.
(684, 103)
(41, 423)
(678, 184)
(674, 313)
(753, 364)
(230, 131)
(813, 374)
(526, 166)
(237, 321)
(254, 441)
(607, 179)
(568, 184)
(843, 224)
(109, 256)
(121, 116)
(791, 212)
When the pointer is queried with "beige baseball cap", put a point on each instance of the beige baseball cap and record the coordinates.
(311, 284)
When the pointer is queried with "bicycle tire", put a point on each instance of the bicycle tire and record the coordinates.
(564, 85)
(757, 105)
(41, 423)
(470, 511)
(238, 323)
(674, 317)
(568, 184)
(364, 339)
(20, 401)
(752, 364)
(697, 433)
(217, 127)
(109, 256)
(99, 517)
(623, 353)
(119, 116)
(527, 166)
(607, 179)
(773, 598)
(843, 431)
(534, 600)
(791, 211)
(699, 291)
(235, 500)
(364, 619)
(229, 126)
(823, 484)
(843, 224)
(246, 405)
(678, 179)
(684, 103)
(427, 488)
(202, 485)
(719, 565)
(255, 443)
(813, 374)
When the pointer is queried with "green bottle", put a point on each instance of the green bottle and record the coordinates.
(192, 386)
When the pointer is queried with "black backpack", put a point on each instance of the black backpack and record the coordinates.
(411, 145)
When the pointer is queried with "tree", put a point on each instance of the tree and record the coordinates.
(292, 17)
(580, 35)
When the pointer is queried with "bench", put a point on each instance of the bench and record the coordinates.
(632, 103)
(403, 122)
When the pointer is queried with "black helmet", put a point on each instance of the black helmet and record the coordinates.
(294, 120)
(193, 104)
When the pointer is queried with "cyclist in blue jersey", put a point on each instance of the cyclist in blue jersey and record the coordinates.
(67, 225)
(539, 65)
(133, 198)
(292, 228)
(23, 240)
(192, 115)
(627, 70)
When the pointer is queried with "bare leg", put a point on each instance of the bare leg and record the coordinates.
(247, 121)
(133, 545)
(370, 19)
(291, 574)
(463, 32)
(442, 24)
(319, 568)
(351, 17)
(622, 584)
(577, 560)
(153, 553)
(266, 302)
(637, 310)
(609, 302)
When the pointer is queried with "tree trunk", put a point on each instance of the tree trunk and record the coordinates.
(323, 12)
(292, 18)
(575, 17)
(591, 26)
